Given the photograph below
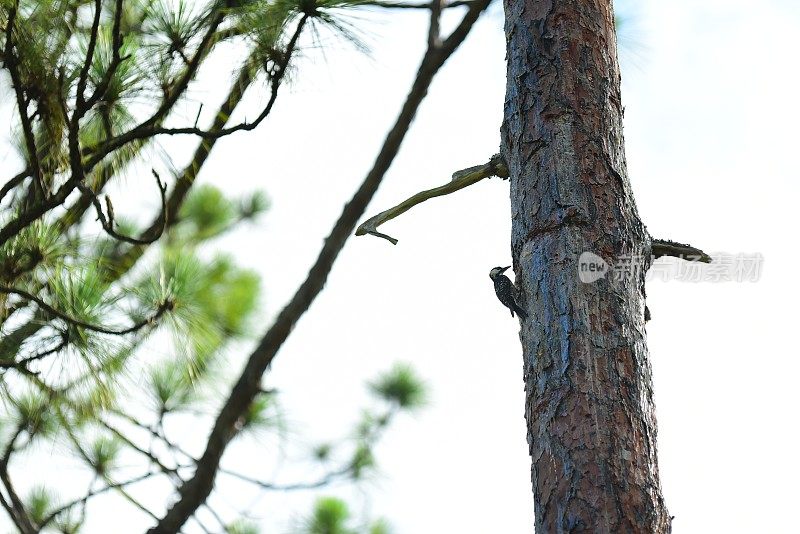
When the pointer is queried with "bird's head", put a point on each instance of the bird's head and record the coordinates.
(497, 271)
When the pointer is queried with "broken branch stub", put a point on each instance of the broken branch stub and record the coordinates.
(460, 179)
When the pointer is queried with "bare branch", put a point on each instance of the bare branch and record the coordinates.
(82, 453)
(663, 247)
(461, 179)
(155, 433)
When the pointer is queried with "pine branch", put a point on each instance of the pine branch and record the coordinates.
(120, 265)
(171, 98)
(81, 106)
(184, 183)
(73, 134)
(162, 309)
(116, 58)
(79, 167)
(216, 133)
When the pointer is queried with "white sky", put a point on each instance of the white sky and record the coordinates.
(710, 91)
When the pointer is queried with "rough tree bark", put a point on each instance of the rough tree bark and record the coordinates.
(589, 401)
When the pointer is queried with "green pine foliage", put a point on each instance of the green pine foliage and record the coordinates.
(103, 454)
(243, 527)
(400, 387)
(332, 515)
(109, 336)
(40, 503)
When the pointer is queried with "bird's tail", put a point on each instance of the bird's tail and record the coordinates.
(522, 313)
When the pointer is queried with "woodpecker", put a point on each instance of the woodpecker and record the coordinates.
(504, 290)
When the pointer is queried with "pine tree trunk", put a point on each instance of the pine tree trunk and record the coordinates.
(589, 399)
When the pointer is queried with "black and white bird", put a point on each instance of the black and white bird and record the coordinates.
(504, 290)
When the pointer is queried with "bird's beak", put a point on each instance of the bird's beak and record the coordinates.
(504, 269)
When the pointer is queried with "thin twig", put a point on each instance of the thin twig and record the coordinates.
(14, 182)
(197, 117)
(98, 491)
(23, 363)
(107, 221)
(314, 484)
(170, 472)
(216, 517)
(155, 433)
(76, 443)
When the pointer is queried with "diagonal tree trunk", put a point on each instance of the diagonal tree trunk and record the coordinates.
(589, 399)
